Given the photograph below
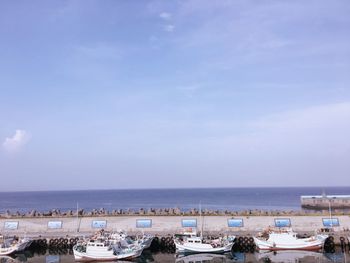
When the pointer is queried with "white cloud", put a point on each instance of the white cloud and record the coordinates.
(17, 141)
(169, 28)
(165, 15)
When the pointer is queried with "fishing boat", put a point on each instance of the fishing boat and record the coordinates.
(102, 249)
(7, 249)
(199, 245)
(190, 242)
(287, 239)
(13, 244)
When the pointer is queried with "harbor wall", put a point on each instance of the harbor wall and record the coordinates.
(325, 201)
(160, 225)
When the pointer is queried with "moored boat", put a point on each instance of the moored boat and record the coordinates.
(196, 244)
(11, 245)
(288, 240)
(101, 249)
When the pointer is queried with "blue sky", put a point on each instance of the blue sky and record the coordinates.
(138, 94)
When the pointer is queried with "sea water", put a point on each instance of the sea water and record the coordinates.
(235, 199)
(159, 257)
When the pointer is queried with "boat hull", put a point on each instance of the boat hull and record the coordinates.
(82, 256)
(7, 251)
(315, 245)
(105, 255)
(181, 248)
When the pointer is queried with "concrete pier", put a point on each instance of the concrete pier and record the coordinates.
(161, 225)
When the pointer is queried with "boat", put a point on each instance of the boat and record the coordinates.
(199, 245)
(190, 242)
(287, 239)
(13, 244)
(102, 249)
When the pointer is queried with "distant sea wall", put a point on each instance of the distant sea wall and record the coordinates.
(164, 225)
(168, 212)
(325, 202)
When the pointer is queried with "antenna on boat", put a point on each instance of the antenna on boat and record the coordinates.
(330, 212)
(77, 217)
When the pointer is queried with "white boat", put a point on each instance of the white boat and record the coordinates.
(189, 242)
(11, 245)
(288, 240)
(105, 250)
(7, 249)
(290, 256)
(199, 245)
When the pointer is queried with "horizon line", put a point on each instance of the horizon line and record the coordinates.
(170, 188)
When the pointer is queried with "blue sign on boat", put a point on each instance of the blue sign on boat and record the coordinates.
(235, 222)
(282, 222)
(189, 222)
(143, 223)
(99, 224)
(328, 222)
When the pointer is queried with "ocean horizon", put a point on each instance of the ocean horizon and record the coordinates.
(233, 199)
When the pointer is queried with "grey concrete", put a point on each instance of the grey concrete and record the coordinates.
(163, 225)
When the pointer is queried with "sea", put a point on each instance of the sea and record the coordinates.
(233, 199)
(161, 257)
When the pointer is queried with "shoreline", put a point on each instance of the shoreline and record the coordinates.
(102, 212)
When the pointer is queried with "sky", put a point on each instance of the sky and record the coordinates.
(168, 94)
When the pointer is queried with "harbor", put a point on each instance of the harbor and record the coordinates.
(67, 235)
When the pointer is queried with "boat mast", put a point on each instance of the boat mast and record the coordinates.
(330, 212)
(77, 217)
(200, 217)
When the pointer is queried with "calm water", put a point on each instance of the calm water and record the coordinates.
(214, 198)
(147, 256)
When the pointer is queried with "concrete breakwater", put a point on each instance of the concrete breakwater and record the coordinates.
(166, 225)
(166, 212)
